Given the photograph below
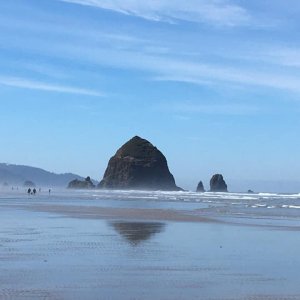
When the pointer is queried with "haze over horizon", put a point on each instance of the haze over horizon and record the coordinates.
(214, 85)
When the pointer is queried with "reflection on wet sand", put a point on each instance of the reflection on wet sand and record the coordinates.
(137, 232)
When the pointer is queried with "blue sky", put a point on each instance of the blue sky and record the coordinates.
(214, 84)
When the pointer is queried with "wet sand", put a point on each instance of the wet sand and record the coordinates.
(75, 247)
(164, 215)
(117, 213)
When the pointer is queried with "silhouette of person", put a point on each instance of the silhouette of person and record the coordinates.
(29, 191)
(49, 191)
(34, 191)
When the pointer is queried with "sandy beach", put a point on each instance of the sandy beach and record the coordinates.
(134, 245)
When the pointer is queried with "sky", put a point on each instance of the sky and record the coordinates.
(214, 84)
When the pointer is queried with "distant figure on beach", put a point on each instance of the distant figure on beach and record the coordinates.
(29, 191)
(34, 191)
(40, 190)
(49, 191)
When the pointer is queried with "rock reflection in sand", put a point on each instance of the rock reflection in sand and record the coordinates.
(137, 232)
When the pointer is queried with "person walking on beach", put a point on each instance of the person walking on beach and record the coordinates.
(34, 191)
(29, 191)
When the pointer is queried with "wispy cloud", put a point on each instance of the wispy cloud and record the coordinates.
(289, 57)
(267, 54)
(217, 12)
(171, 67)
(208, 74)
(175, 69)
(42, 86)
(187, 108)
(161, 59)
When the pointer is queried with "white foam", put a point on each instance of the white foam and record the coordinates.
(268, 194)
(290, 206)
(294, 206)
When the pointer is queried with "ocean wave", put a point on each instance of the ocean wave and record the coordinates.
(291, 206)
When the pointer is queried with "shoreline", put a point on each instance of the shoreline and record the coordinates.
(149, 215)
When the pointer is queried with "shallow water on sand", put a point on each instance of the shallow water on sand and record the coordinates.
(141, 245)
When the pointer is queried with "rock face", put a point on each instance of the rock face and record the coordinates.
(200, 187)
(138, 165)
(29, 183)
(218, 184)
(81, 184)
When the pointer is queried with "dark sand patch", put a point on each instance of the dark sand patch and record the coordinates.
(88, 212)
(163, 215)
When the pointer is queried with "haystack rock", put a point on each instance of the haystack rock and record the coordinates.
(138, 165)
(200, 187)
(81, 184)
(218, 184)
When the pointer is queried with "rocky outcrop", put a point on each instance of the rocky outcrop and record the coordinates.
(81, 184)
(218, 184)
(29, 183)
(200, 187)
(138, 165)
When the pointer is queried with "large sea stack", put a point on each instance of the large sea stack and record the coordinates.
(218, 184)
(138, 165)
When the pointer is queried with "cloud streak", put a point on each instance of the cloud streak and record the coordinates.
(183, 109)
(161, 67)
(24, 83)
(216, 12)
(161, 59)
(215, 109)
(205, 74)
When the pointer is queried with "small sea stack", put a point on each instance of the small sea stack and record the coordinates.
(138, 165)
(200, 187)
(29, 183)
(81, 184)
(218, 184)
